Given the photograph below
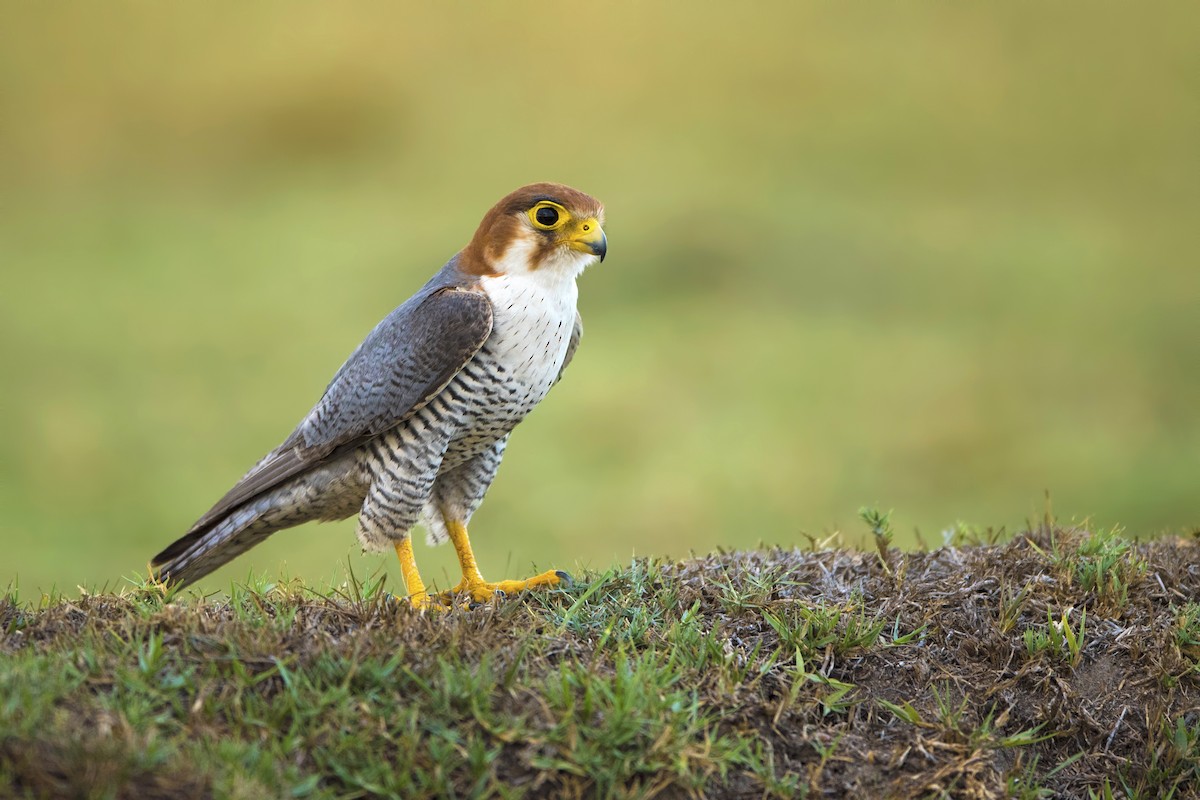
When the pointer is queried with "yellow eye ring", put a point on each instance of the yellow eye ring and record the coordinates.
(548, 216)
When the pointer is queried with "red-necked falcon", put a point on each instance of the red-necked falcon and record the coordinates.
(412, 428)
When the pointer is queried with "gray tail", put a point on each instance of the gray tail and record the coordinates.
(200, 551)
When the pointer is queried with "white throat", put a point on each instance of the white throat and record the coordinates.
(523, 297)
(532, 319)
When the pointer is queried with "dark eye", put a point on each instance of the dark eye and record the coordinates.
(546, 216)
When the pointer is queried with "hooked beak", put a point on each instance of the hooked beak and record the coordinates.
(589, 237)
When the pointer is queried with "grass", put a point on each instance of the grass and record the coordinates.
(1187, 631)
(1058, 638)
(773, 673)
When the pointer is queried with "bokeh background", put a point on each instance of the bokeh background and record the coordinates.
(937, 257)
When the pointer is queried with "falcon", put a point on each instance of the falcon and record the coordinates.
(412, 428)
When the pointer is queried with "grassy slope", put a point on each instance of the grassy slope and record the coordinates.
(1055, 663)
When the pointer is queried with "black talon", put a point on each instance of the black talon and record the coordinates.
(565, 577)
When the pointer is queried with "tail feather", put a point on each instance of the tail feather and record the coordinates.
(199, 552)
(331, 491)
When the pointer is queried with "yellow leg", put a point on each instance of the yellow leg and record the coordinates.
(473, 583)
(413, 585)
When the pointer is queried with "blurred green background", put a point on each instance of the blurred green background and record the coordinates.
(936, 257)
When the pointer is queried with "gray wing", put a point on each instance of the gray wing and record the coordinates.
(403, 364)
(576, 333)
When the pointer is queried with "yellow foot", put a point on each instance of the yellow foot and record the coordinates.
(424, 602)
(418, 602)
(481, 591)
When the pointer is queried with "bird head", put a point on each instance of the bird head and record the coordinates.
(539, 228)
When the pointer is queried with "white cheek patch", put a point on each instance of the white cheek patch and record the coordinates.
(559, 263)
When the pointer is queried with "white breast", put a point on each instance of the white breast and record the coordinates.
(533, 316)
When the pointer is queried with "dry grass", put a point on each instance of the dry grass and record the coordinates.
(1060, 664)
